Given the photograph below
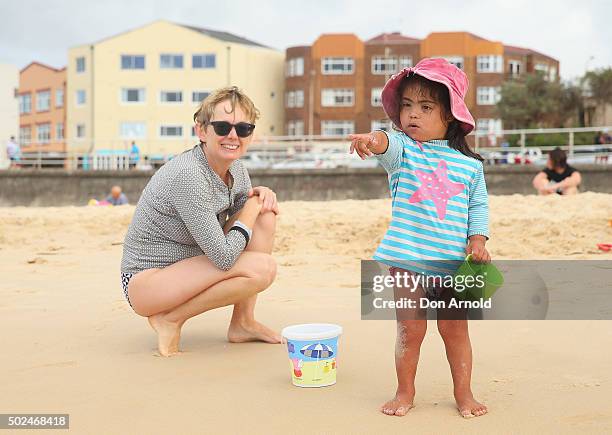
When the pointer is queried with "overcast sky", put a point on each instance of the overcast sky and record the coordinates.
(571, 31)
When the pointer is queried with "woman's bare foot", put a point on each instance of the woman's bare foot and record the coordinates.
(399, 405)
(168, 335)
(243, 331)
(468, 406)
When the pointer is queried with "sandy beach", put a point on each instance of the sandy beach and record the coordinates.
(71, 344)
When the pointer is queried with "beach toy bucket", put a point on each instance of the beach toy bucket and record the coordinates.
(485, 281)
(313, 352)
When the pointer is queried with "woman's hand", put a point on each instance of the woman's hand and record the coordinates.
(267, 197)
(476, 247)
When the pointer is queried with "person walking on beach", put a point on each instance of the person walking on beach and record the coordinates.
(439, 213)
(558, 177)
(134, 155)
(13, 152)
(201, 236)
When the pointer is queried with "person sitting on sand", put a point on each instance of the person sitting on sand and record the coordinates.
(116, 197)
(558, 177)
(201, 236)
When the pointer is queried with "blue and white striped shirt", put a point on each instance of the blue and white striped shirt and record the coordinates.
(439, 200)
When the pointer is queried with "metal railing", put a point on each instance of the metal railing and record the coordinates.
(274, 149)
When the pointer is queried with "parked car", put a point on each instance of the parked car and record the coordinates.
(254, 161)
(342, 159)
(305, 161)
(531, 155)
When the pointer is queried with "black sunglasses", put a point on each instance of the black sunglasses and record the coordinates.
(223, 128)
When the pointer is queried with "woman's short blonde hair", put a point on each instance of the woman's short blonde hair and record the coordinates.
(232, 94)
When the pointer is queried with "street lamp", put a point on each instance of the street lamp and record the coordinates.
(586, 64)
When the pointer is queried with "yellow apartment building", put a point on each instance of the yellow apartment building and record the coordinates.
(145, 84)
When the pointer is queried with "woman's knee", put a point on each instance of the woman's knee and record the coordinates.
(266, 222)
(261, 271)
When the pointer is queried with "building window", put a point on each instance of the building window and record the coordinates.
(294, 99)
(132, 95)
(199, 96)
(515, 68)
(455, 60)
(80, 64)
(171, 97)
(59, 98)
(25, 103)
(171, 61)
(59, 131)
(80, 131)
(376, 98)
(487, 95)
(132, 130)
(384, 65)
(552, 74)
(43, 133)
(25, 135)
(43, 101)
(80, 97)
(489, 125)
(294, 67)
(193, 131)
(337, 97)
(381, 124)
(489, 64)
(203, 61)
(295, 128)
(337, 128)
(405, 62)
(171, 131)
(337, 65)
(132, 61)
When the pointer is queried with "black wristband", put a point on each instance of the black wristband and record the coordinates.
(243, 232)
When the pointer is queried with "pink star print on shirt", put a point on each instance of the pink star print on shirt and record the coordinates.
(437, 187)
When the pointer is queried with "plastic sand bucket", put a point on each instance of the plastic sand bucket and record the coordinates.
(481, 280)
(313, 349)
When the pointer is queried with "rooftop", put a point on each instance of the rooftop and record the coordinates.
(392, 38)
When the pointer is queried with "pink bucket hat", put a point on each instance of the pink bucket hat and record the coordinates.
(437, 70)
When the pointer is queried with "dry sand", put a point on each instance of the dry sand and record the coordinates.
(71, 344)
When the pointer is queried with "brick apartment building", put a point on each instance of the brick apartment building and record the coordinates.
(333, 87)
(42, 115)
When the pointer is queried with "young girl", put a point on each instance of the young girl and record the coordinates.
(439, 210)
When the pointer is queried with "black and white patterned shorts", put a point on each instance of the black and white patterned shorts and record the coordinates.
(125, 280)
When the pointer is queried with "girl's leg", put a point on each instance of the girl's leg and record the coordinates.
(411, 328)
(243, 326)
(459, 354)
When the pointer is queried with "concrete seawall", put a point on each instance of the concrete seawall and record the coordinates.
(50, 187)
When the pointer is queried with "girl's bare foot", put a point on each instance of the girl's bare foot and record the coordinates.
(399, 405)
(468, 406)
(243, 331)
(168, 334)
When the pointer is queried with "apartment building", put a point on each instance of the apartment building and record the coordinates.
(42, 108)
(324, 93)
(386, 54)
(145, 84)
(343, 77)
(9, 108)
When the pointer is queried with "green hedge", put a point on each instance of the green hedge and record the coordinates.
(551, 139)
